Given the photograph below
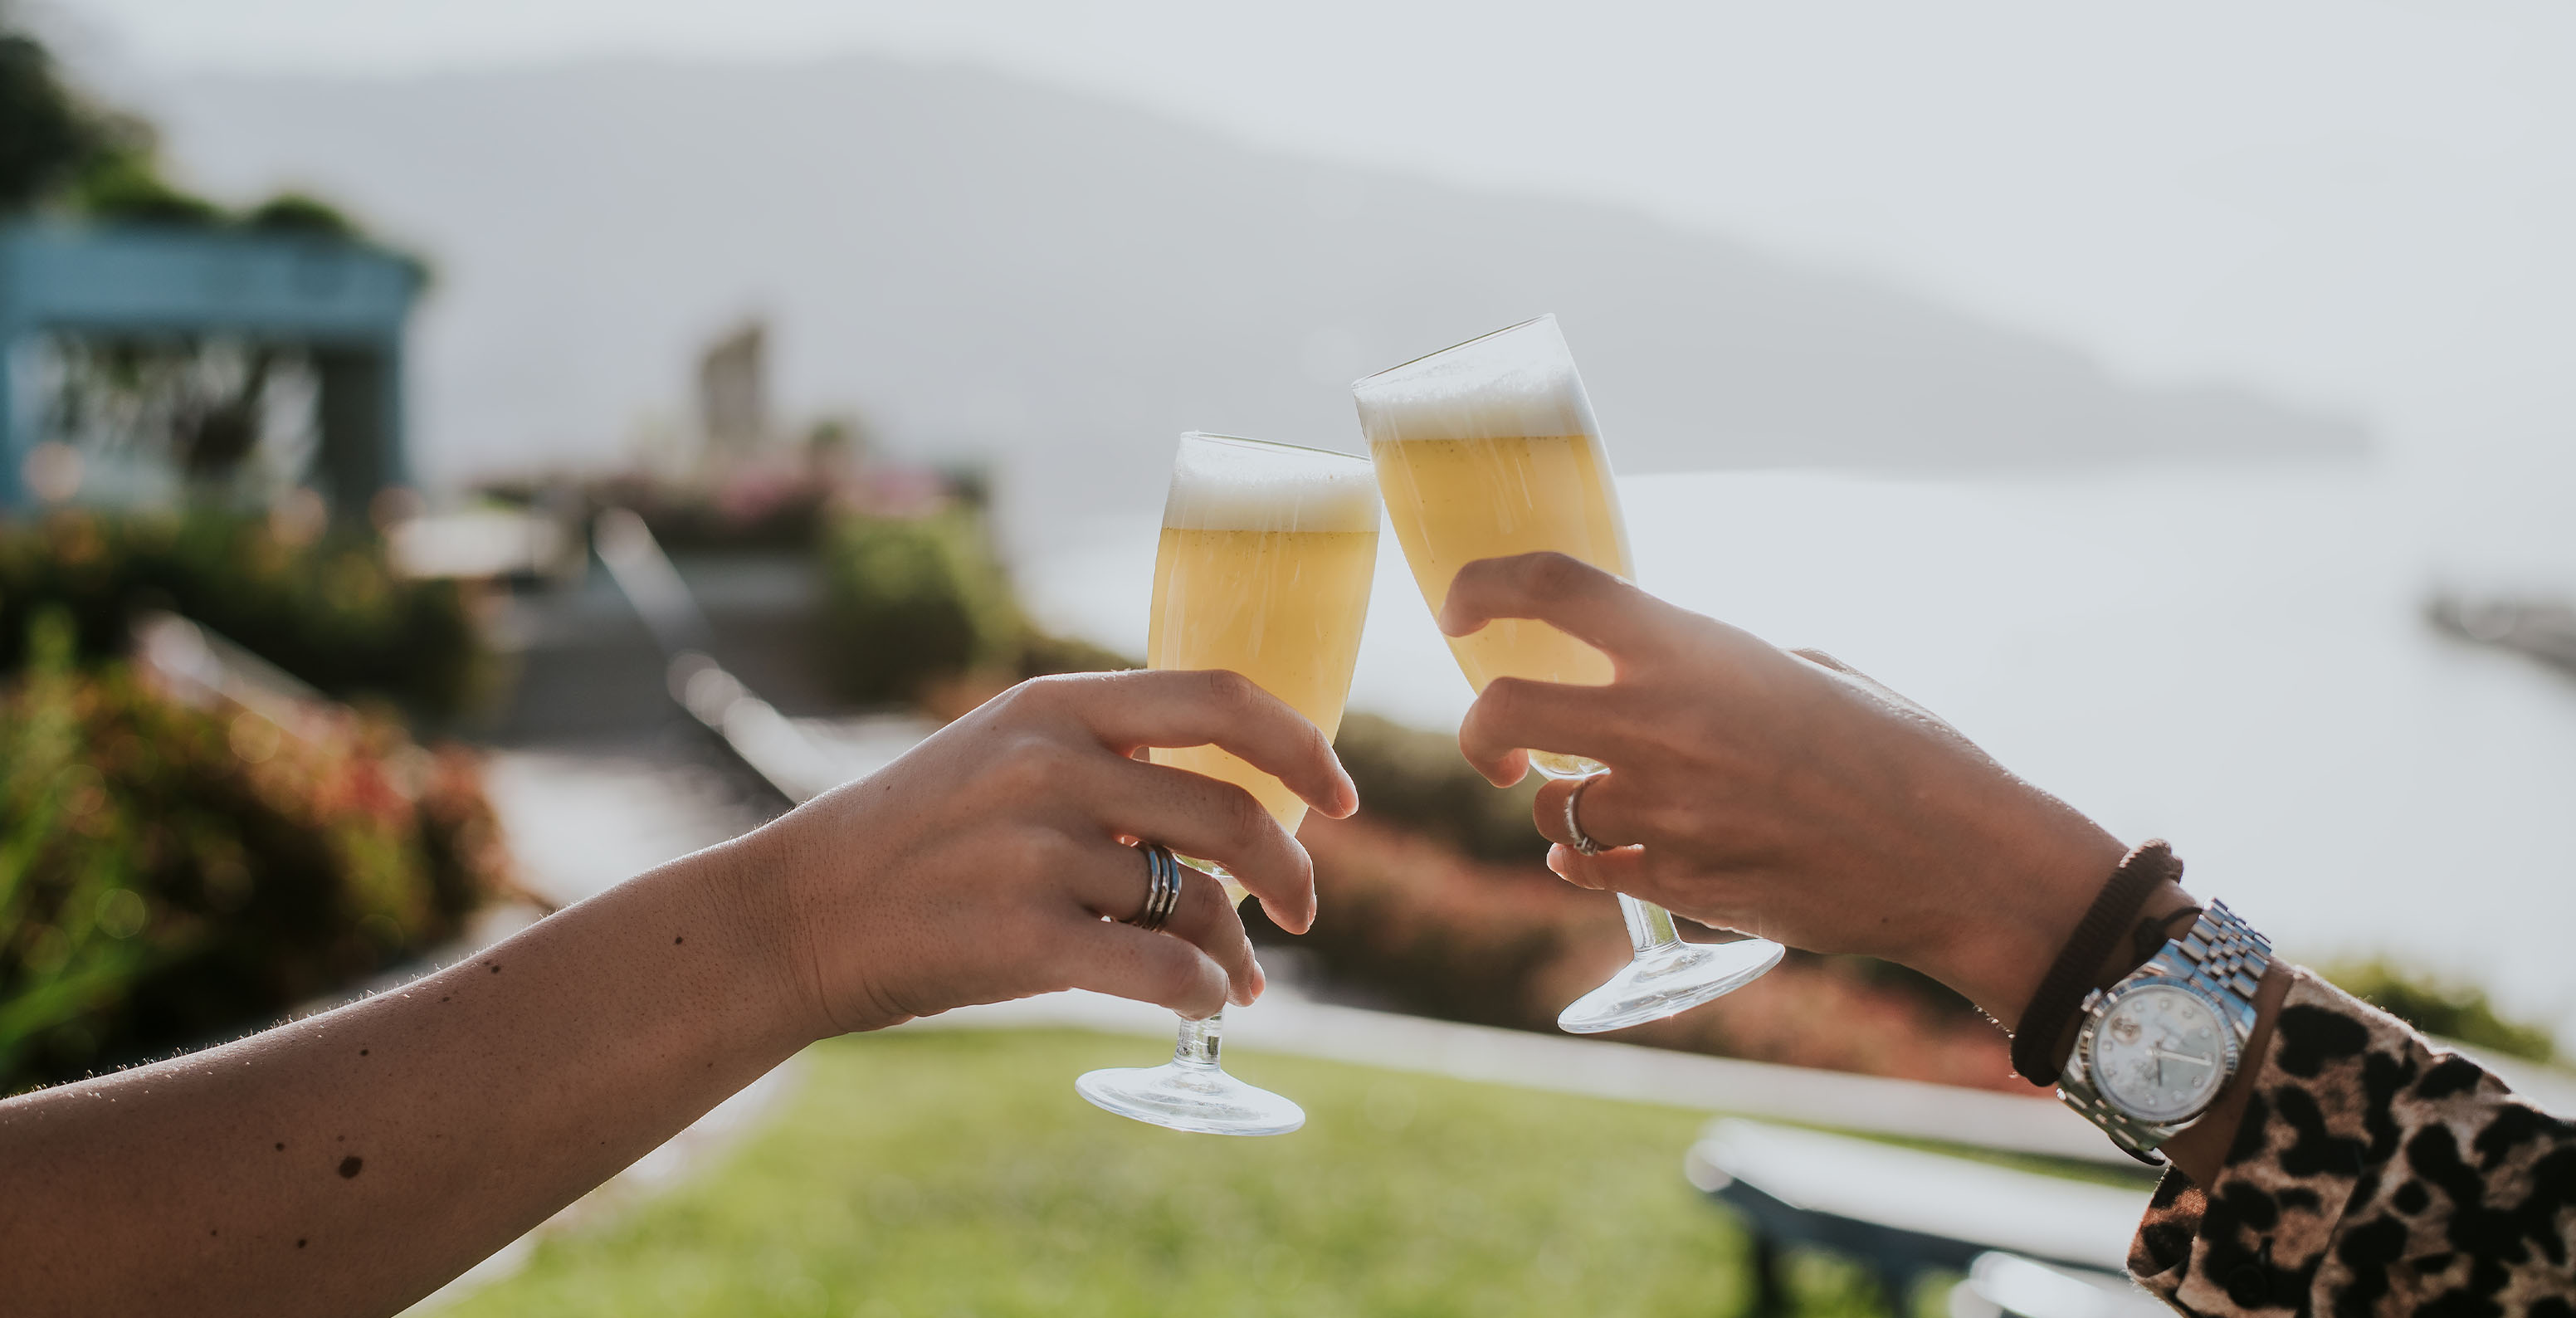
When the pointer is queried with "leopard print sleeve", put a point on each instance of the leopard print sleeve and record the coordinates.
(2372, 1176)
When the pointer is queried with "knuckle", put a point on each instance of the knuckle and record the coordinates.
(1245, 820)
(1176, 977)
(1031, 850)
(1553, 574)
(1036, 694)
(1505, 699)
(1231, 691)
(1204, 899)
(1027, 766)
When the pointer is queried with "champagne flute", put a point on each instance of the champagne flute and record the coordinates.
(1268, 551)
(1489, 449)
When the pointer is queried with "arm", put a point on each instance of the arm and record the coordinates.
(352, 1162)
(1785, 795)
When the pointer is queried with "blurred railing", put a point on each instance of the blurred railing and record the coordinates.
(763, 739)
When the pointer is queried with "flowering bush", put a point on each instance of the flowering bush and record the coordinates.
(1507, 943)
(173, 872)
(327, 608)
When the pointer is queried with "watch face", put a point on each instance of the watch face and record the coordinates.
(2160, 1053)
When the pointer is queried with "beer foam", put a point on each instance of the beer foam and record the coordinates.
(1491, 412)
(1512, 382)
(1220, 483)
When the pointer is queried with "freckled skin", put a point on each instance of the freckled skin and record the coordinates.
(954, 876)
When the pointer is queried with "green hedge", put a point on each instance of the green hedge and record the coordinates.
(2440, 1007)
(1418, 781)
(330, 611)
(913, 600)
(172, 874)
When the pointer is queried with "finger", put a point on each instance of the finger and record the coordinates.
(1116, 888)
(1513, 714)
(1206, 917)
(1595, 872)
(1818, 657)
(1146, 707)
(1565, 592)
(1197, 815)
(1121, 959)
(1628, 871)
(1602, 810)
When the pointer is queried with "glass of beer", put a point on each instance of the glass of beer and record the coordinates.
(1485, 450)
(1267, 555)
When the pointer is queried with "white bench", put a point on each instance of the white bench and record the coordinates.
(1905, 1213)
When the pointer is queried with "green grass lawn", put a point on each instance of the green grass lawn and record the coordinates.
(934, 1173)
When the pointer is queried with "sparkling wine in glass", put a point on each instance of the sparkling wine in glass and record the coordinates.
(1267, 554)
(1486, 450)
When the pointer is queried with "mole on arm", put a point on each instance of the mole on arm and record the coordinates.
(281, 1146)
(349, 1166)
(677, 941)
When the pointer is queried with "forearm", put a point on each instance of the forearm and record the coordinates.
(351, 1162)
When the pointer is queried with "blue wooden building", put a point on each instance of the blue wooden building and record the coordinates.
(342, 303)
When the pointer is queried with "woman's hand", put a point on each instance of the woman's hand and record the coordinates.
(991, 861)
(1779, 793)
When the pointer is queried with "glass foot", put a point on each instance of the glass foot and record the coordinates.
(1669, 980)
(1202, 1099)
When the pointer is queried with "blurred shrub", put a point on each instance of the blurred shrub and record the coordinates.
(2439, 1007)
(330, 611)
(1418, 781)
(47, 132)
(762, 511)
(170, 874)
(911, 601)
(1406, 918)
(295, 212)
(123, 182)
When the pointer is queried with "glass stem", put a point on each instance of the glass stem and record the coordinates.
(1650, 927)
(1200, 1041)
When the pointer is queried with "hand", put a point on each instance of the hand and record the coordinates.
(1779, 793)
(991, 861)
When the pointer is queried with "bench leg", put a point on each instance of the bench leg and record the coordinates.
(1770, 1297)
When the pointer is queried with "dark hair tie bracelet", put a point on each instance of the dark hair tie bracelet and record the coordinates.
(2113, 914)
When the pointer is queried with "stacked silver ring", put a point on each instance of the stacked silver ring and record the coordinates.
(1162, 889)
(1583, 842)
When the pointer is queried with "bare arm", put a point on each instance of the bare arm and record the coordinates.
(352, 1162)
(356, 1160)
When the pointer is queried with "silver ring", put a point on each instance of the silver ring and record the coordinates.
(1583, 843)
(1162, 887)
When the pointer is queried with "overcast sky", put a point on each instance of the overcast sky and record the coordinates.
(2366, 204)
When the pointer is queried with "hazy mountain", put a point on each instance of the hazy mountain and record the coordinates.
(983, 263)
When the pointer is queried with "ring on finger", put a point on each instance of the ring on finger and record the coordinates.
(1583, 842)
(1162, 887)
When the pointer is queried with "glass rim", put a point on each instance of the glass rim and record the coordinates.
(1248, 441)
(1357, 384)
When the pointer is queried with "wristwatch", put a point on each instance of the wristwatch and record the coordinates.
(2157, 1047)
